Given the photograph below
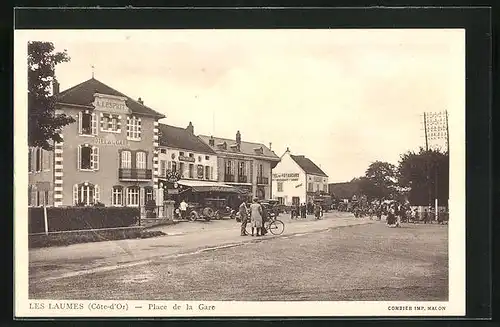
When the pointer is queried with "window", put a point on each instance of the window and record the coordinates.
(280, 186)
(174, 166)
(191, 155)
(140, 160)
(110, 123)
(295, 200)
(191, 171)
(85, 194)
(229, 165)
(317, 187)
(181, 154)
(133, 128)
(281, 200)
(200, 171)
(164, 151)
(212, 173)
(133, 196)
(38, 159)
(126, 161)
(163, 168)
(38, 202)
(117, 196)
(261, 170)
(207, 172)
(88, 157)
(30, 160)
(46, 198)
(207, 157)
(148, 194)
(325, 188)
(30, 199)
(87, 123)
(309, 187)
(181, 169)
(241, 168)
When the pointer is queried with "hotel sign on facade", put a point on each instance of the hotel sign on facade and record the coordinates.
(285, 177)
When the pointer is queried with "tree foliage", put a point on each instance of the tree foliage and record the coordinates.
(44, 125)
(426, 173)
(380, 181)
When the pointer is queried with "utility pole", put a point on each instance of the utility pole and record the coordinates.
(427, 161)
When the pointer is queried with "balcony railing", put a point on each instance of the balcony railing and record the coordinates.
(242, 179)
(228, 178)
(262, 180)
(135, 174)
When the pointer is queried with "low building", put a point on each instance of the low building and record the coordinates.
(246, 165)
(297, 179)
(107, 155)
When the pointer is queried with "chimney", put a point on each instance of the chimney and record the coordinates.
(287, 149)
(140, 101)
(211, 142)
(270, 146)
(238, 138)
(190, 128)
(55, 87)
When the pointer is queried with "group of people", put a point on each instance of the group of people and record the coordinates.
(256, 214)
(302, 210)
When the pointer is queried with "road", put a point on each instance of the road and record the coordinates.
(338, 259)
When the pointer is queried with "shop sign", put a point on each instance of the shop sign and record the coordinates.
(172, 177)
(284, 177)
(173, 191)
(110, 141)
(110, 104)
(184, 158)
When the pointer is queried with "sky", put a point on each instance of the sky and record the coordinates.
(343, 98)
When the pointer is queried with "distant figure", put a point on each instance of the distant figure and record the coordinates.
(304, 211)
(256, 217)
(183, 209)
(317, 212)
(243, 210)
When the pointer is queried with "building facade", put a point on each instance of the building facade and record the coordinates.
(183, 152)
(246, 165)
(297, 180)
(108, 155)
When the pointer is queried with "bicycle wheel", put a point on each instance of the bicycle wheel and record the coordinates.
(276, 227)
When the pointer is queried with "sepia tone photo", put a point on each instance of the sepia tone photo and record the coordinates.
(199, 167)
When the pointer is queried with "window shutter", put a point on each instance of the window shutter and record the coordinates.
(95, 158)
(97, 195)
(78, 157)
(211, 172)
(94, 124)
(141, 196)
(75, 194)
(103, 121)
(80, 122)
(119, 124)
(125, 196)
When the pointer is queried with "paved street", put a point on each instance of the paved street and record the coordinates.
(338, 258)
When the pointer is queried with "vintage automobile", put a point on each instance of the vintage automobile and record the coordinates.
(211, 208)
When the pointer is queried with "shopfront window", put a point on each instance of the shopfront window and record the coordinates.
(191, 171)
(207, 172)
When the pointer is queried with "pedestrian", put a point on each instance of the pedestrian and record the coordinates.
(256, 217)
(183, 206)
(426, 216)
(317, 211)
(391, 219)
(243, 210)
(304, 213)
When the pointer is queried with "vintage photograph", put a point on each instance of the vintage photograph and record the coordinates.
(243, 165)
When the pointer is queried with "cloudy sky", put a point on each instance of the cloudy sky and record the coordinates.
(343, 98)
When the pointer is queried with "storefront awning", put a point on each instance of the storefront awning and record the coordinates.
(205, 186)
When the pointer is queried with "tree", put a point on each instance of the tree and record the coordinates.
(380, 181)
(426, 174)
(44, 125)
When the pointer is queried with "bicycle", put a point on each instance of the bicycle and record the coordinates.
(274, 226)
